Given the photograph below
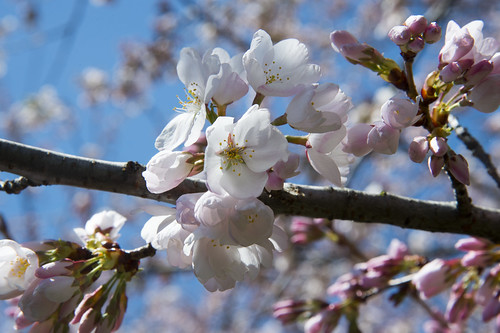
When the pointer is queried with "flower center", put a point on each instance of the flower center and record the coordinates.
(273, 73)
(232, 155)
(193, 101)
(19, 267)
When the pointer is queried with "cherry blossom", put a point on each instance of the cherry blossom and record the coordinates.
(166, 170)
(325, 154)
(280, 69)
(319, 109)
(239, 154)
(103, 226)
(163, 232)
(17, 268)
(194, 71)
(234, 238)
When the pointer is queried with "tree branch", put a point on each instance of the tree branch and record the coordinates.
(50, 168)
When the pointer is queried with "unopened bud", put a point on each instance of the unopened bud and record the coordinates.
(438, 146)
(340, 38)
(459, 168)
(400, 35)
(435, 164)
(473, 244)
(432, 33)
(418, 149)
(417, 24)
(416, 45)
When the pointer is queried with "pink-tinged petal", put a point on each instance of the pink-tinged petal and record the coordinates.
(229, 86)
(399, 113)
(166, 170)
(418, 149)
(485, 96)
(325, 166)
(458, 42)
(340, 38)
(383, 139)
(356, 141)
(175, 133)
(325, 143)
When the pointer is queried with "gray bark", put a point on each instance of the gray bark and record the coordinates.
(44, 167)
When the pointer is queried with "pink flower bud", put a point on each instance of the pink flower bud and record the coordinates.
(287, 311)
(418, 149)
(383, 138)
(432, 278)
(473, 244)
(435, 164)
(399, 113)
(438, 146)
(432, 33)
(340, 38)
(357, 140)
(459, 168)
(324, 321)
(491, 309)
(477, 259)
(400, 35)
(416, 45)
(397, 249)
(417, 24)
(478, 72)
(460, 305)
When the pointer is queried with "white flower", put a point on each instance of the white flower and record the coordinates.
(399, 113)
(215, 76)
(325, 154)
(166, 170)
(234, 239)
(278, 70)
(17, 268)
(227, 85)
(238, 155)
(103, 226)
(186, 127)
(164, 233)
(318, 109)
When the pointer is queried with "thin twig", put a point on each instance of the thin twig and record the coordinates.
(4, 228)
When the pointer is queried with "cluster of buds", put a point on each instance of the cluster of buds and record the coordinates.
(414, 33)
(469, 278)
(305, 230)
(440, 154)
(57, 283)
(367, 56)
(382, 136)
(352, 289)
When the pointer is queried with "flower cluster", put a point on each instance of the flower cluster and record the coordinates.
(59, 283)
(227, 234)
(474, 280)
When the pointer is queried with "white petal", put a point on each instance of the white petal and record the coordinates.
(176, 132)
(325, 166)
